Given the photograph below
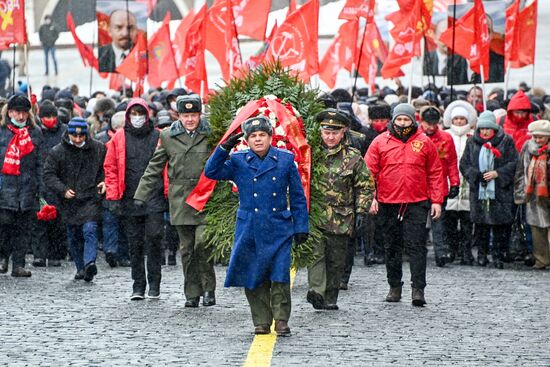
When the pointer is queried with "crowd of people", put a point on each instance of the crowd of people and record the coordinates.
(463, 171)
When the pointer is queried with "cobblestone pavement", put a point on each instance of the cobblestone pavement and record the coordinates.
(474, 317)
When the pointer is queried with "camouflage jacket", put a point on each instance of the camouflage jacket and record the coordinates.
(349, 188)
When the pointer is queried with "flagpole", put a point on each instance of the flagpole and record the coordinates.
(409, 97)
(506, 80)
(452, 69)
(91, 67)
(483, 87)
(354, 89)
(26, 55)
(13, 70)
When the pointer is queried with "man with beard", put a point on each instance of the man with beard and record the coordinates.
(409, 182)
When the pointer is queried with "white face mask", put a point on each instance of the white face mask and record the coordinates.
(174, 106)
(137, 121)
(461, 130)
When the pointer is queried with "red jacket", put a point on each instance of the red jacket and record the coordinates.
(115, 166)
(447, 154)
(405, 172)
(517, 129)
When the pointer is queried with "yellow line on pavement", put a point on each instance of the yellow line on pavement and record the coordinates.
(261, 349)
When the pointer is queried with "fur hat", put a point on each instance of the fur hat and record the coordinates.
(189, 103)
(19, 102)
(471, 113)
(258, 123)
(379, 112)
(103, 105)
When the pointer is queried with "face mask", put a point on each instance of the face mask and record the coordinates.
(79, 145)
(49, 122)
(173, 106)
(460, 130)
(137, 121)
(379, 126)
(18, 124)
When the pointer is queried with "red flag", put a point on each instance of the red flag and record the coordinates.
(341, 53)
(411, 21)
(162, 65)
(251, 17)
(86, 52)
(292, 6)
(134, 66)
(374, 50)
(471, 29)
(521, 34)
(12, 26)
(193, 66)
(353, 9)
(295, 43)
(221, 25)
(116, 81)
(103, 36)
(259, 57)
(233, 56)
(180, 36)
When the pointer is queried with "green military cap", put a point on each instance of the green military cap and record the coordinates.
(258, 123)
(332, 119)
(189, 103)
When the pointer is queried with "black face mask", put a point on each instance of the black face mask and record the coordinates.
(403, 133)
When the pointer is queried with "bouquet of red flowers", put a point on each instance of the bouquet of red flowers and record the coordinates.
(47, 212)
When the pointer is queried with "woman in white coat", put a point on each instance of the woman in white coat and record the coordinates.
(460, 118)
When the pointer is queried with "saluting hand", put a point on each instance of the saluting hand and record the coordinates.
(231, 141)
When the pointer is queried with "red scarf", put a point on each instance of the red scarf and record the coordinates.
(20, 145)
(493, 150)
(537, 174)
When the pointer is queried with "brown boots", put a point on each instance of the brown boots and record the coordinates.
(394, 295)
(418, 297)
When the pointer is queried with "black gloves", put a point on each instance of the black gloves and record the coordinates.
(360, 223)
(453, 192)
(231, 141)
(300, 238)
(139, 204)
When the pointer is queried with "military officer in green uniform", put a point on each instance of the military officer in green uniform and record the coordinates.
(348, 194)
(184, 146)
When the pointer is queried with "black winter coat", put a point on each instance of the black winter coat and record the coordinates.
(140, 146)
(52, 137)
(22, 192)
(81, 170)
(501, 210)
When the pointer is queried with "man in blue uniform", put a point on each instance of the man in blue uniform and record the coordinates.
(267, 221)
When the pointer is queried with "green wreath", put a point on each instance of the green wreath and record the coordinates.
(269, 79)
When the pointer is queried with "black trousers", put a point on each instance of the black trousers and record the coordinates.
(49, 240)
(15, 235)
(459, 240)
(501, 239)
(408, 234)
(144, 239)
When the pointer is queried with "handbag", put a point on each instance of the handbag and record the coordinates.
(518, 237)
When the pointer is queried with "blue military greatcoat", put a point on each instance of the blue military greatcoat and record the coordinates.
(266, 219)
